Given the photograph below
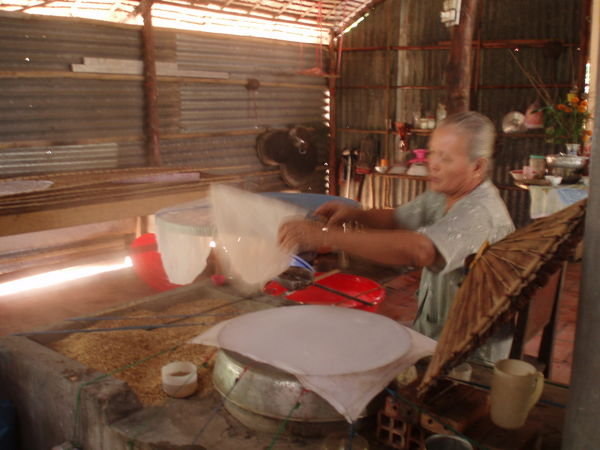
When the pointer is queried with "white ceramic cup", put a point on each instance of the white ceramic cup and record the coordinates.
(516, 388)
(179, 379)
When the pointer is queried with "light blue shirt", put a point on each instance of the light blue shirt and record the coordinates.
(457, 233)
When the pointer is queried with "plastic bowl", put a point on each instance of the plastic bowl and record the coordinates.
(517, 175)
(360, 287)
(554, 179)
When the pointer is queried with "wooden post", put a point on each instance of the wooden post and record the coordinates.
(584, 42)
(387, 120)
(332, 160)
(150, 87)
(581, 423)
(458, 73)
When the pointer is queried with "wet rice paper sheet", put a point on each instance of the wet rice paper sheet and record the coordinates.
(247, 227)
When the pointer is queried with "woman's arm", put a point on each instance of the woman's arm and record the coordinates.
(337, 213)
(381, 219)
(391, 247)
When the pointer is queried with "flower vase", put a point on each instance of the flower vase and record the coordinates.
(573, 149)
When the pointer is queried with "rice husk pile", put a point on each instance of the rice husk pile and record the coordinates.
(108, 351)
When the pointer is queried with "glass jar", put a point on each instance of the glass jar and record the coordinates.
(538, 165)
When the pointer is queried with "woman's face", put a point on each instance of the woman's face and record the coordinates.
(451, 172)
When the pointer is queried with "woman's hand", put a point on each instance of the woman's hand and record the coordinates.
(301, 234)
(337, 213)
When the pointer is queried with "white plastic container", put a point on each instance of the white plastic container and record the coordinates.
(179, 379)
(461, 372)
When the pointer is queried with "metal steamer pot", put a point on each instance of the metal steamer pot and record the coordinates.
(569, 167)
(265, 395)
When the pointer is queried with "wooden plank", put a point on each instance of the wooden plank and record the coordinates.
(136, 67)
(79, 215)
(126, 64)
(119, 139)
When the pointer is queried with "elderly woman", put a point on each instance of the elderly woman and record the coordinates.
(437, 230)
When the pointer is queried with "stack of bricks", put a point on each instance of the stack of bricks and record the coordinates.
(398, 426)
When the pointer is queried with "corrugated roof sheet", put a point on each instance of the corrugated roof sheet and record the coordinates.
(295, 20)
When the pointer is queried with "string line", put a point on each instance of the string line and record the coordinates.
(284, 422)
(213, 413)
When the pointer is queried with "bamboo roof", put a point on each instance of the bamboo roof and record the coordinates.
(302, 20)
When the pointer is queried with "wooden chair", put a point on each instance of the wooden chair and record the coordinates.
(540, 315)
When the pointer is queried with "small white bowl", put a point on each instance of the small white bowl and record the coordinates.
(179, 379)
(585, 180)
(553, 179)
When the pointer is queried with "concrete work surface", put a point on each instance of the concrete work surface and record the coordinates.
(61, 401)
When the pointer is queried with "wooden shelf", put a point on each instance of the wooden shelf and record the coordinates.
(522, 135)
(420, 131)
(357, 130)
(401, 176)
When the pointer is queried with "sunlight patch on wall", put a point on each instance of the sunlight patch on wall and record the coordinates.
(59, 276)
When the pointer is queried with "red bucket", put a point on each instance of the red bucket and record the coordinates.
(360, 287)
(147, 263)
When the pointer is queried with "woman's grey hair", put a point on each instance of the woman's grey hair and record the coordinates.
(480, 129)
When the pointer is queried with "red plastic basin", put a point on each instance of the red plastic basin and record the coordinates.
(354, 285)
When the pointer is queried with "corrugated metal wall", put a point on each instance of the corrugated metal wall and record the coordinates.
(365, 100)
(52, 119)
(553, 20)
(46, 119)
(55, 120)
(419, 73)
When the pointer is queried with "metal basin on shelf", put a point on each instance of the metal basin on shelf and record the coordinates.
(569, 167)
(566, 161)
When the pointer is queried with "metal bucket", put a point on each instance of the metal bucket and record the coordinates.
(446, 442)
(264, 396)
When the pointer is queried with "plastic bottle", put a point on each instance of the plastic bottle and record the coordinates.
(440, 112)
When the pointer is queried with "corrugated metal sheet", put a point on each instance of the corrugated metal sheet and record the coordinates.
(367, 108)
(210, 108)
(498, 67)
(537, 19)
(62, 158)
(243, 58)
(419, 24)
(52, 123)
(531, 19)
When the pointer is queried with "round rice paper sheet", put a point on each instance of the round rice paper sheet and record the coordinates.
(317, 340)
